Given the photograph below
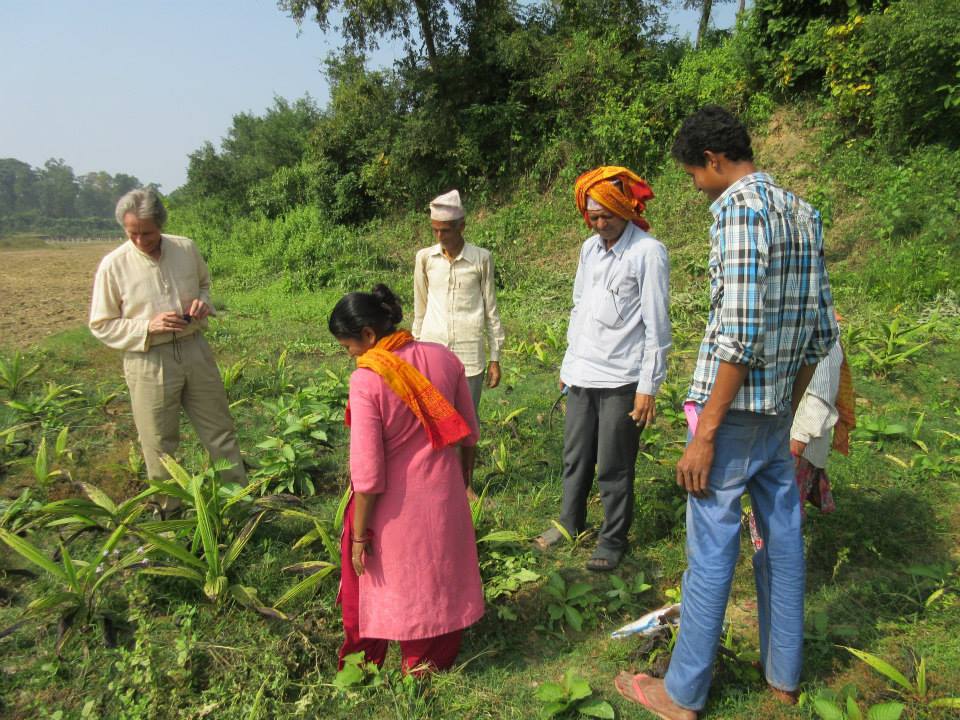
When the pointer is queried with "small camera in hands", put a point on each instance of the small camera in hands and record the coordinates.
(187, 317)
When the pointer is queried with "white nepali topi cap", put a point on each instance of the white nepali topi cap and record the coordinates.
(446, 207)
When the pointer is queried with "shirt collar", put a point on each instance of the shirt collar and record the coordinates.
(751, 179)
(466, 252)
(622, 244)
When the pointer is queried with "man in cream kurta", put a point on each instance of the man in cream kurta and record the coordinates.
(151, 299)
(455, 303)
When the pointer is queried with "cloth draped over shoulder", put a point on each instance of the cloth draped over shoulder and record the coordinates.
(845, 408)
(443, 424)
(628, 203)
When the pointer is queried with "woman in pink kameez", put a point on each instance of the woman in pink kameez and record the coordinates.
(410, 570)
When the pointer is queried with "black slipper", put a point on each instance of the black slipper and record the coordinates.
(602, 564)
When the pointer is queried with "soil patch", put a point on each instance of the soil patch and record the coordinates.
(46, 289)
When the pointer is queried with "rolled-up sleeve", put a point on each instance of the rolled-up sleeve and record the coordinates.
(654, 278)
(743, 246)
(368, 470)
(107, 323)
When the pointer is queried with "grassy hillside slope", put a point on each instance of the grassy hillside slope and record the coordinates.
(882, 572)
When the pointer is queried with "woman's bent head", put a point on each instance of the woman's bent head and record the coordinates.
(360, 319)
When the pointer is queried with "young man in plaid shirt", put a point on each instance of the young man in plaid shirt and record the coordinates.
(771, 321)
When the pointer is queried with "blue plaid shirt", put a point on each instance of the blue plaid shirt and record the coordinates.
(770, 302)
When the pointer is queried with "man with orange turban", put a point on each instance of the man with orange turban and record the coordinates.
(617, 344)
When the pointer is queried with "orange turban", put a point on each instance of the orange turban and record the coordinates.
(628, 203)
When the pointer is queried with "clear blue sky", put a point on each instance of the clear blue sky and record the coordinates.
(136, 86)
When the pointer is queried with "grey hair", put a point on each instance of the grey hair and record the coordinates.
(145, 204)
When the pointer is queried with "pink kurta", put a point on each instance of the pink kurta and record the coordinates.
(422, 578)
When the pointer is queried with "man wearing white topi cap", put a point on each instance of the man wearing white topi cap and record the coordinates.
(454, 300)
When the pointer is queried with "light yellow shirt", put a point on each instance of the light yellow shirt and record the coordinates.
(455, 304)
(131, 288)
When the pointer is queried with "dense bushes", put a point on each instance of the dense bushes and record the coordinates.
(891, 73)
(509, 114)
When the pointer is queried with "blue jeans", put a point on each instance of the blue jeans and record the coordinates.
(752, 454)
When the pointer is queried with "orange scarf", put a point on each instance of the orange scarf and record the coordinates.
(845, 408)
(444, 425)
(627, 204)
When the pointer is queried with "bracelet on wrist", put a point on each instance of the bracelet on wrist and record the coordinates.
(365, 539)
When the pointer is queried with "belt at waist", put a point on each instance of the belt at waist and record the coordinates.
(167, 338)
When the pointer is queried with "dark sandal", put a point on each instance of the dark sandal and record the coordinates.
(602, 564)
(548, 539)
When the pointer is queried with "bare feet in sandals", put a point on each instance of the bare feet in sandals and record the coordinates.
(650, 693)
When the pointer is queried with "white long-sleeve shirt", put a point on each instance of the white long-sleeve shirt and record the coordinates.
(619, 330)
(130, 288)
(455, 304)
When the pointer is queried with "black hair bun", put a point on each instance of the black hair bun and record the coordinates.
(389, 301)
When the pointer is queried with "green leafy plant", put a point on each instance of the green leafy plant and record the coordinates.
(358, 672)
(231, 375)
(16, 513)
(829, 705)
(78, 600)
(934, 582)
(916, 689)
(304, 422)
(572, 604)
(12, 448)
(14, 374)
(48, 406)
(891, 345)
(572, 696)
(740, 659)
(504, 574)
(625, 594)
(43, 470)
(287, 465)
(314, 570)
(97, 511)
(878, 430)
(212, 527)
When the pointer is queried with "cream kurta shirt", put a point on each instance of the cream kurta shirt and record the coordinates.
(131, 288)
(454, 302)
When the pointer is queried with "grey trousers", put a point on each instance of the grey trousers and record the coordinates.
(599, 434)
(165, 378)
(475, 383)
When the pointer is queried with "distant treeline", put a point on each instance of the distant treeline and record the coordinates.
(52, 200)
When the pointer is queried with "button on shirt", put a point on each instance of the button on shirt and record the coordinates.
(455, 302)
(770, 307)
(619, 330)
(131, 288)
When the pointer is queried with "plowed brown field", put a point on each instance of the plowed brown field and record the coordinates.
(46, 289)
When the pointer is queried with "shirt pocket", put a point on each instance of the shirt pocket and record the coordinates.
(617, 303)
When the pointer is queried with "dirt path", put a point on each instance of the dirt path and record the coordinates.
(46, 289)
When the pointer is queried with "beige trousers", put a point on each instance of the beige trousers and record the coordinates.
(183, 374)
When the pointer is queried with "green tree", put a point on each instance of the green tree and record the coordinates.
(254, 148)
(57, 189)
(706, 8)
(18, 187)
(363, 20)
